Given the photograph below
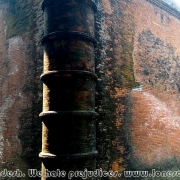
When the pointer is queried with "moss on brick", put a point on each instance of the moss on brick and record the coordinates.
(18, 17)
(126, 71)
(114, 59)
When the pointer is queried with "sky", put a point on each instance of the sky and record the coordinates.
(173, 3)
(177, 1)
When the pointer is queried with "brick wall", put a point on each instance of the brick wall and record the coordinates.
(156, 68)
(20, 87)
(137, 98)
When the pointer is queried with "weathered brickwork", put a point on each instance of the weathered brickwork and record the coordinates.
(137, 92)
(155, 109)
(137, 62)
(20, 92)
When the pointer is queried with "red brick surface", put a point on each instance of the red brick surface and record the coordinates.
(155, 110)
(142, 127)
(136, 129)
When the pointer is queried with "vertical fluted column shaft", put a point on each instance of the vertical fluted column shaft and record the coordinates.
(68, 117)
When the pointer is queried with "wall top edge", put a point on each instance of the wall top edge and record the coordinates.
(169, 6)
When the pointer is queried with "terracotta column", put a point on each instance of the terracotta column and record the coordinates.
(68, 117)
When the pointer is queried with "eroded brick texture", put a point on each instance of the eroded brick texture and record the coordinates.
(155, 109)
(20, 87)
(138, 88)
(115, 30)
(137, 98)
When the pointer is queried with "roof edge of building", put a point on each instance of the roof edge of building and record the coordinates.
(167, 5)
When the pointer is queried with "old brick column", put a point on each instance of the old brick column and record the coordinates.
(68, 117)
